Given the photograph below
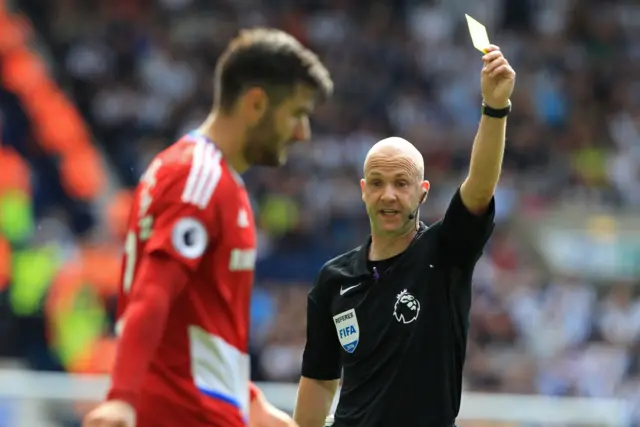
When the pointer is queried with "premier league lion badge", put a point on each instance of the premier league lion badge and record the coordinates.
(406, 308)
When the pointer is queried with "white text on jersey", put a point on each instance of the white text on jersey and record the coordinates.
(243, 218)
(147, 182)
(242, 259)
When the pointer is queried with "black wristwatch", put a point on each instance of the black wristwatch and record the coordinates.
(496, 113)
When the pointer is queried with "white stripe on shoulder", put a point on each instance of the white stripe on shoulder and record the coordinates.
(204, 175)
(213, 179)
(194, 172)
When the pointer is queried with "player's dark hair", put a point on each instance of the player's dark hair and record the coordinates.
(270, 59)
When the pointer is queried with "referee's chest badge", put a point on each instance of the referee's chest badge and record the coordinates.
(407, 307)
(347, 329)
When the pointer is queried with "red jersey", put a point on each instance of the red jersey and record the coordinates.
(191, 205)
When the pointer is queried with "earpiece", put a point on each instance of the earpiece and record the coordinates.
(414, 214)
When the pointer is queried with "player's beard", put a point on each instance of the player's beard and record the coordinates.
(264, 147)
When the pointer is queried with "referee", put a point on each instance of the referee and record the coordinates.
(393, 314)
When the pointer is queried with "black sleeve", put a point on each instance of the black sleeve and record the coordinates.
(321, 357)
(463, 235)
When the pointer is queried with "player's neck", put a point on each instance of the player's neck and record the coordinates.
(228, 138)
(385, 247)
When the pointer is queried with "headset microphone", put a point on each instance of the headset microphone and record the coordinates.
(414, 214)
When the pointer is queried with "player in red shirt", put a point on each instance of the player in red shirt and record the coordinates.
(183, 314)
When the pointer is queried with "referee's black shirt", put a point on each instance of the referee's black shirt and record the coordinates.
(398, 327)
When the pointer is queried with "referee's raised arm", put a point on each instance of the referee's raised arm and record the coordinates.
(469, 219)
(321, 365)
(497, 83)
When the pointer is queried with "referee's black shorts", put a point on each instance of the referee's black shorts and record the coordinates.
(329, 423)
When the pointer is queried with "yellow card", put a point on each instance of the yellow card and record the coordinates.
(478, 32)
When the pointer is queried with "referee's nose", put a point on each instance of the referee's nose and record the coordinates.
(388, 194)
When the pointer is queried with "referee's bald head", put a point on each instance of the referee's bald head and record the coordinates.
(397, 150)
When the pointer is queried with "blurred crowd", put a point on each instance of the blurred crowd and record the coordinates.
(140, 74)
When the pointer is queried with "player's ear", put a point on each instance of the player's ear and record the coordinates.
(362, 183)
(255, 103)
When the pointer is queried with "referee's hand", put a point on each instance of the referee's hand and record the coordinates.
(112, 413)
(497, 78)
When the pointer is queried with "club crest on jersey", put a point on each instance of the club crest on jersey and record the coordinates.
(407, 307)
(347, 329)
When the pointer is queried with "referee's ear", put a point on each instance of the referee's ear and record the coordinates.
(362, 183)
(425, 188)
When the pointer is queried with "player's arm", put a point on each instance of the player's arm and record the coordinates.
(159, 280)
(497, 81)
(321, 364)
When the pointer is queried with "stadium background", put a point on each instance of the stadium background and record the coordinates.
(90, 90)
